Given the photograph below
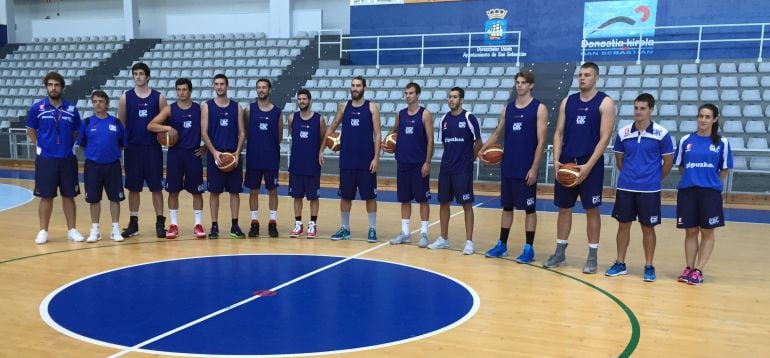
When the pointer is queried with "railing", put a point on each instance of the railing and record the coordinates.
(334, 32)
(467, 44)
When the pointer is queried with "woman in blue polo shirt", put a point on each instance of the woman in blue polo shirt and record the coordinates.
(703, 158)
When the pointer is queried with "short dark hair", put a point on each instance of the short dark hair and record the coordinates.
(304, 91)
(222, 75)
(526, 75)
(141, 66)
(458, 90)
(646, 97)
(269, 85)
(592, 66)
(416, 87)
(360, 78)
(100, 94)
(53, 75)
(184, 81)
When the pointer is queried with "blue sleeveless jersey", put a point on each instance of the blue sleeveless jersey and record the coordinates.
(263, 140)
(305, 143)
(357, 141)
(520, 139)
(582, 124)
(188, 123)
(223, 126)
(412, 146)
(139, 113)
(459, 134)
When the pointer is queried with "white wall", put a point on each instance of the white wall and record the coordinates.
(66, 18)
(336, 13)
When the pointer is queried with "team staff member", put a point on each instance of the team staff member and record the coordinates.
(52, 125)
(103, 138)
(704, 158)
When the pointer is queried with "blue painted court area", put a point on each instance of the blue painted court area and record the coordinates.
(356, 305)
(12, 196)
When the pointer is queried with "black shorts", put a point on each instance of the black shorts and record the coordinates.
(103, 177)
(56, 173)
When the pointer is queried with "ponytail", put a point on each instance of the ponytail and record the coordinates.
(715, 137)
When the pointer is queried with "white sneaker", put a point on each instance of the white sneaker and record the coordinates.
(42, 237)
(468, 250)
(401, 239)
(74, 235)
(423, 240)
(440, 243)
(116, 236)
(94, 236)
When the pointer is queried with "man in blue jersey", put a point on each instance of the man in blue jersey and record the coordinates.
(307, 130)
(461, 135)
(103, 138)
(359, 156)
(414, 126)
(52, 125)
(523, 124)
(583, 130)
(640, 147)
(222, 130)
(264, 131)
(143, 157)
(185, 168)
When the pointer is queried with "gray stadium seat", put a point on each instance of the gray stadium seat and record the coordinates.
(613, 82)
(749, 81)
(633, 70)
(747, 67)
(751, 95)
(652, 69)
(632, 82)
(626, 110)
(760, 163)
(651, 82)
(670, 82)
(708, 68)
(756, 127)
(709, 95)
(669, 95)
(752, 111)
(689, 69)
(689, 95)
(688, 126)
(731, 111)
(756, 143)
(740, 162)
(669, 110)
(629, 95)
(730, 95)
(736, 143)
(616, 70)
(705, 82)
(482, 71)
(728, 81)
(669, 124)
(733, 127)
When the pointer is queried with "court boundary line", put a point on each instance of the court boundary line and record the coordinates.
(30, 199)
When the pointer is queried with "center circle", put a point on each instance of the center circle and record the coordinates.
(286, 305)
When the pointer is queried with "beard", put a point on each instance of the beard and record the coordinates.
(356, 95)
(303, 107)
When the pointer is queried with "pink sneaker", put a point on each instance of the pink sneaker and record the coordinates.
(297, 232)
(695, 278)
(685, 276)
(311, 230)
(199, 232)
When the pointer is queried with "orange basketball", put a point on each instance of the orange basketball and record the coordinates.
(333, 141)
(568, 174)
(493, 155)
(167, 139)
(389, 144)
(226, 162)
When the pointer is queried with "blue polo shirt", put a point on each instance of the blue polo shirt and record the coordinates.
(458, 134)
(642, 153)
(102, 139)
(55, 127)
(702, 161)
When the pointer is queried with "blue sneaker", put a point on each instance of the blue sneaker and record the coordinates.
(649, 273)
(617, 269)
(500, 250)
(342, 234)
(236, 232)
(214, 233)
(372, 236)
(527, 255)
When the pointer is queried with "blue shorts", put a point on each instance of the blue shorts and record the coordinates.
(699, 207)
(53, 173)
(410, 184)
(219, 181)
(457, 186)
(184, 170)
(629, 205)
(515, 193)
(360, 180)
(143, 163)
(254, 178)
(103, 177)
(308, 186)
(590, 190)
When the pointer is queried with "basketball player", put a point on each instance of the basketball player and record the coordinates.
(308, 130)
(143, 158)
(103, 138)
(461, 134)
(414, 126)
(359, 156)
(523, 123)
(222, 130)
(640, 147)
(52, 125)
(583, 130)
(184, 168)
(264, 133)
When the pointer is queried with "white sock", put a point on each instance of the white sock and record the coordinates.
(298, 222)
(273, 215)
(372, 219)
(593, 246)
(198, 216)
(424, 226)
(115, 227)
(255, 215)
(345, 217)
(405, 226)
(172, 214)
(95, 227)
(134, 213)
(561, 241)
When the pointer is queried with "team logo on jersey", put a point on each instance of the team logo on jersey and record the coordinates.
(224, 122)
(714, 148)
(654, 219)
(142, 113)
(461, 124)
(409, 130)
(304, 134)
(355, 122)
(71, 109)
(187, 124)
(466, 196)
(580, 120)
(516, 126)
(688, 147)
(596, 199)
(113, 128)
(530, 201)
(263, 126)
(714, 220)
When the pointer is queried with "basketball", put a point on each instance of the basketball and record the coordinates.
(389, 145)
(226, 162)
(567, 175)
(167, 139)
(493, 155)
(333, 141)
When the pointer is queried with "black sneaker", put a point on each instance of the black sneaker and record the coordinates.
(254, 230)
(132, 229)
(272, 229)
(214, 233)
(236, 233)
(160, 227)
